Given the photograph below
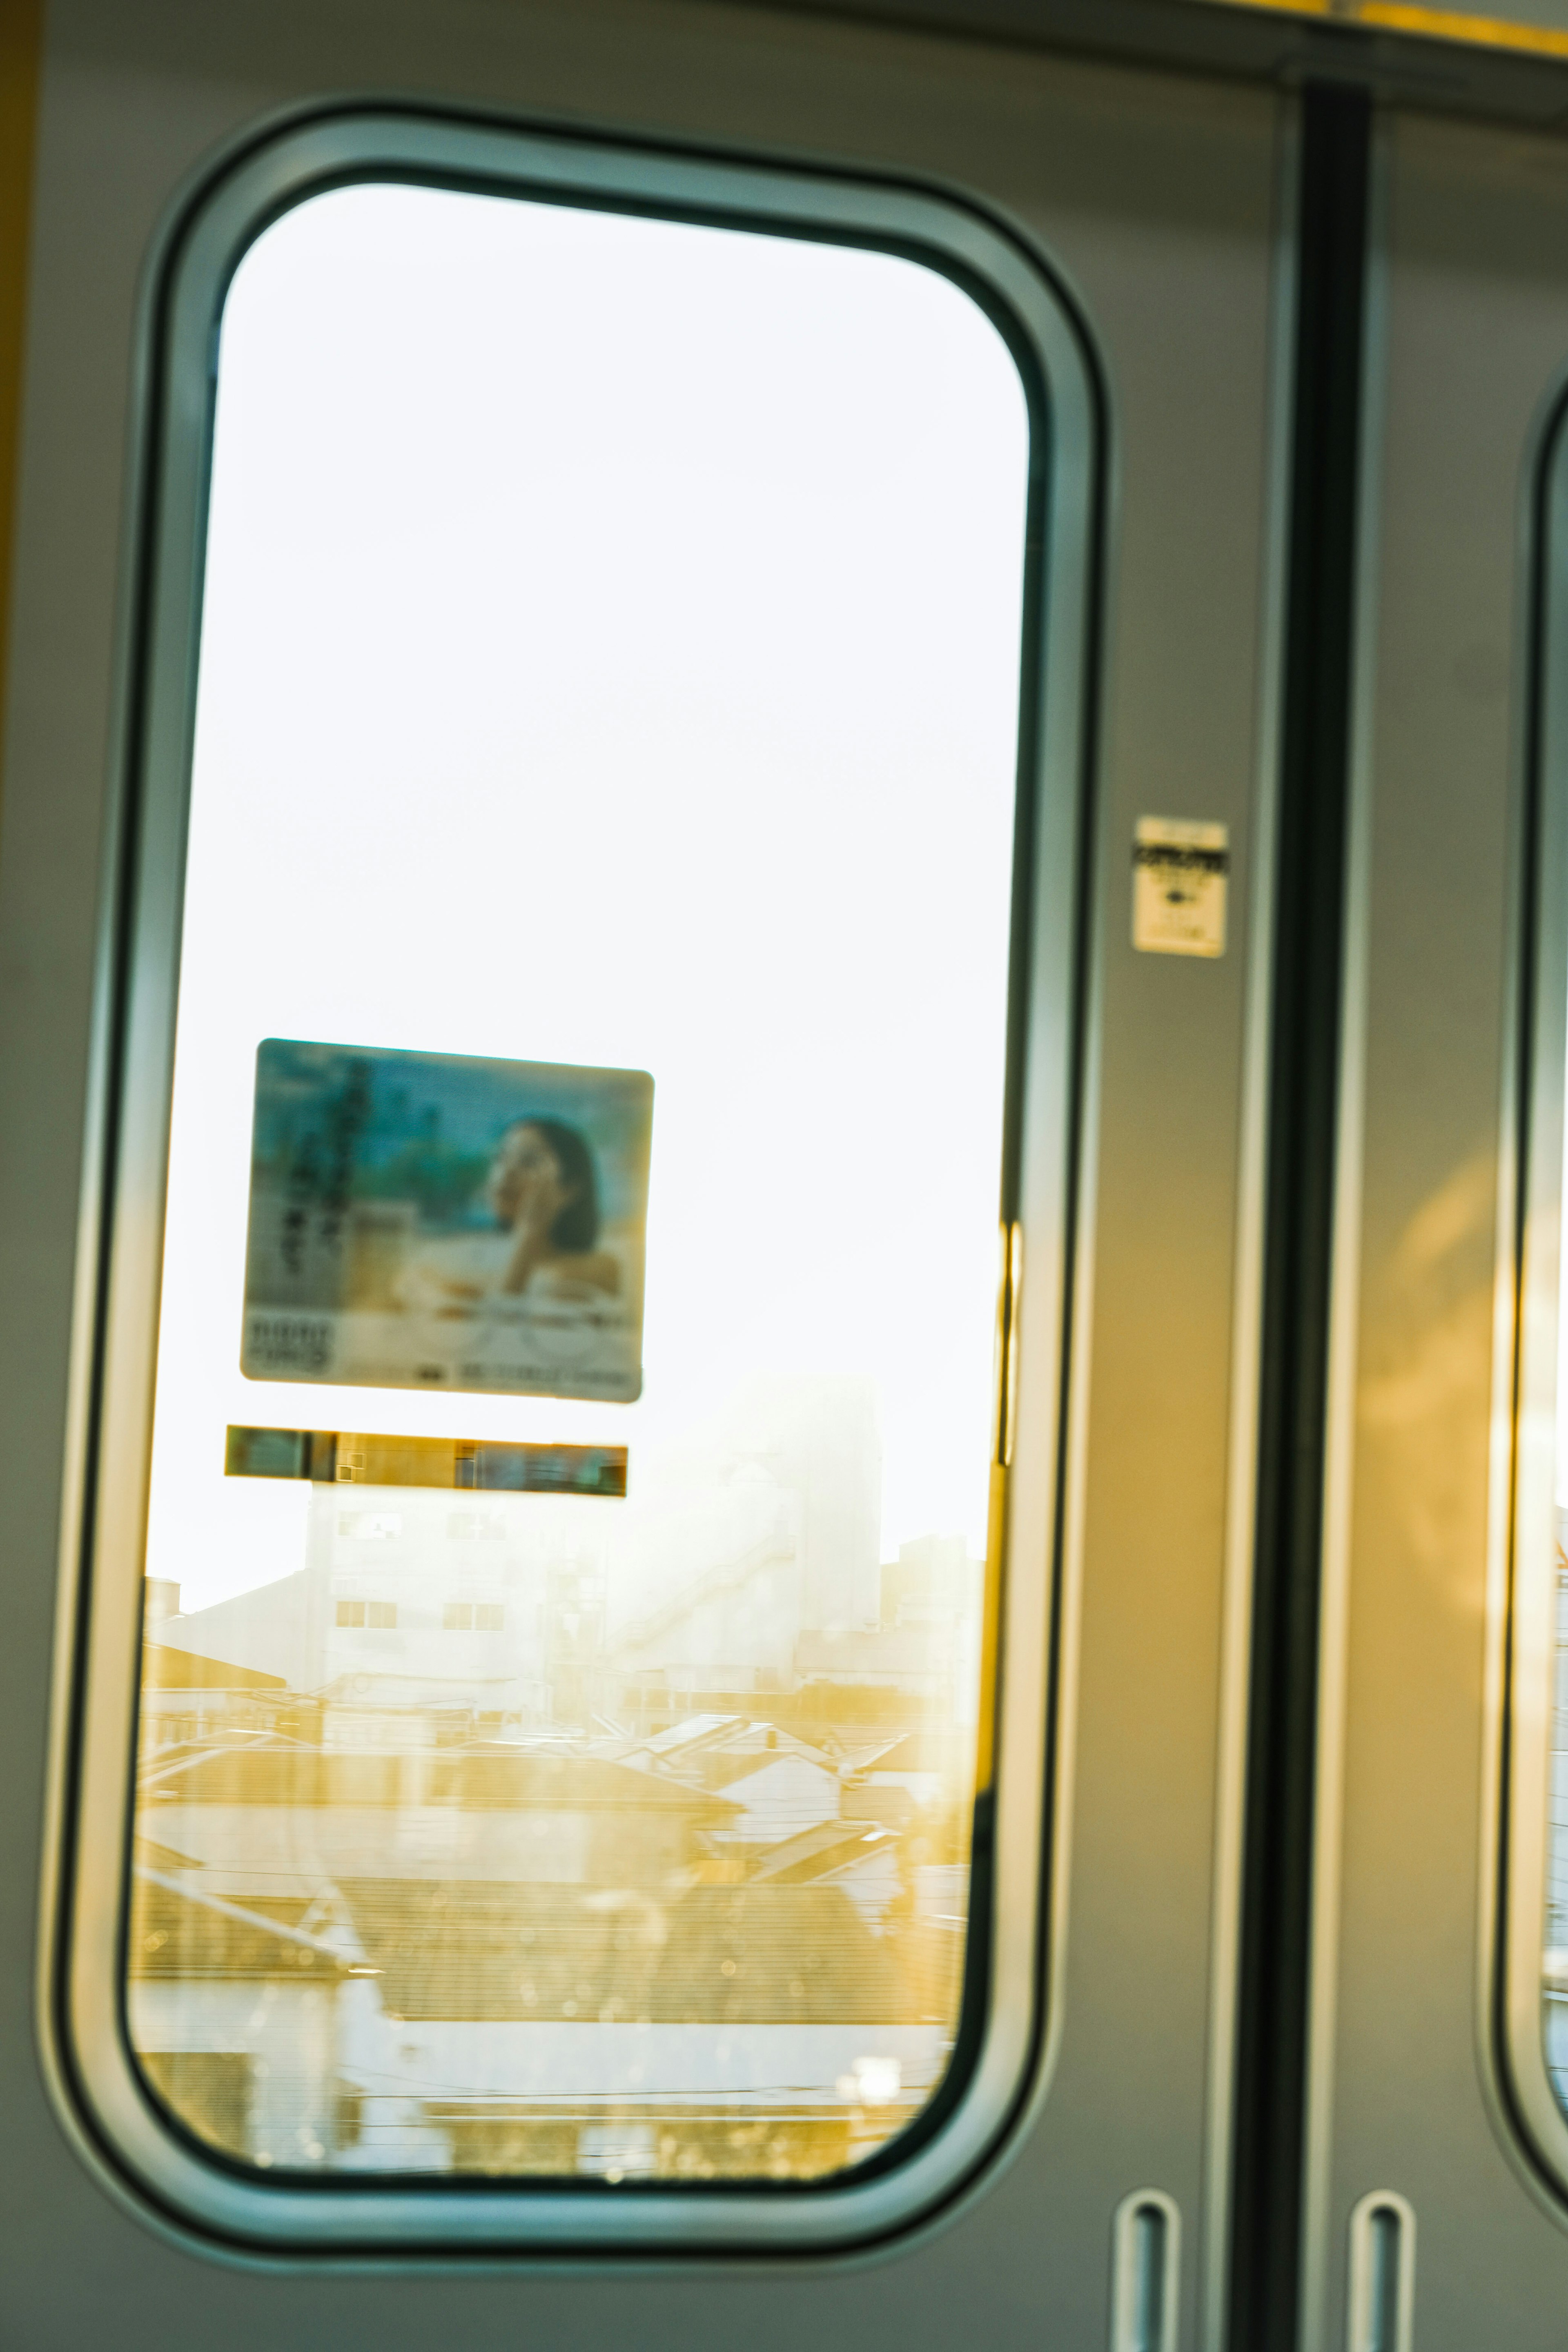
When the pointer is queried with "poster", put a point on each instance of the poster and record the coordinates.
(434, 1221)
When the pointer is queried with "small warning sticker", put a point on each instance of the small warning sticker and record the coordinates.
(1180, 872)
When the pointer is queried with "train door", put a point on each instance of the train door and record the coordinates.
(1433, 2184)
(636, 1984)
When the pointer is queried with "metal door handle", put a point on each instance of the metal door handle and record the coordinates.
(1381, 2273)
(1146, 2250)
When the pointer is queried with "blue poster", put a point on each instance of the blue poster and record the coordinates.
(434, 1221)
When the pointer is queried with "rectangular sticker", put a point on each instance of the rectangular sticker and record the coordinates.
(335, 1457)
(434, 1221)
(1180, 871)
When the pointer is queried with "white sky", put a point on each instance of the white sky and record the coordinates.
(610, 656)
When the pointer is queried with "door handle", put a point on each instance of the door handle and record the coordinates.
(1146, 2252)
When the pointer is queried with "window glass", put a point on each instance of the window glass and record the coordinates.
(609, 670)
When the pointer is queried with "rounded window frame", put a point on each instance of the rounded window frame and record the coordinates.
(1003, 2053)
(1532, 1158)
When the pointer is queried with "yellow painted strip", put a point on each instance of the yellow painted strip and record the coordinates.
(1430, 24)
(1487, 32)
(991, 1631)
(21, 51)
(1002, 1428)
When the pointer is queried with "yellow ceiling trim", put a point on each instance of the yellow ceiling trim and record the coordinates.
(1432, 24)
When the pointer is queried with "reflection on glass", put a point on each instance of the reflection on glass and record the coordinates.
(609, 658)
(1556, 1965)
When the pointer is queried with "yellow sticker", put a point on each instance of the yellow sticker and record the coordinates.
(335, 1457)
(1180, 874)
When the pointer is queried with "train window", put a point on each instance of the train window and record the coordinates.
(594, 1037)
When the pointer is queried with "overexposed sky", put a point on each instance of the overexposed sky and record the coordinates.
(610, 656)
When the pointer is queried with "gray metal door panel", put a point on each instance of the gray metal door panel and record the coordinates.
(1469, 326)
(1156, 200)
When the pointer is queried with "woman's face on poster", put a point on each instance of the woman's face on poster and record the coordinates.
(525, 1179)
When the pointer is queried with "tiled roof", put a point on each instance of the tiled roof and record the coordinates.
(721, 1768)
(164, 1667)
(813, 1853)
(175, 1934)
(721, 1955)
(522, 1781)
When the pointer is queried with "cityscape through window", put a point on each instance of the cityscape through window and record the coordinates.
(609, 663)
